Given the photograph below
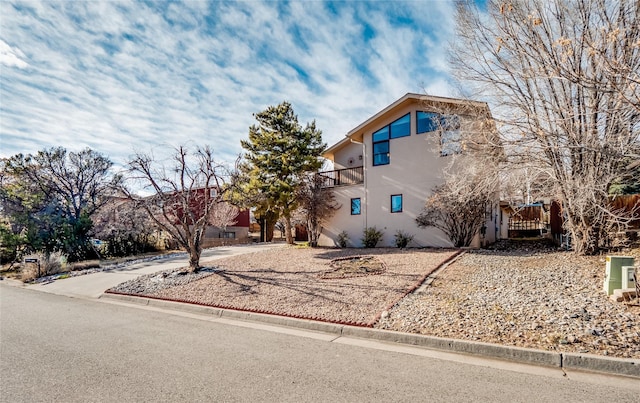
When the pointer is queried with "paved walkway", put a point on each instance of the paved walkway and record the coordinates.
(93, 285)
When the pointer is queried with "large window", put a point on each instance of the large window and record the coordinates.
(381, 152)
(449, 127)
(396, 203)
(427, 122)
(355, 206)
(401, 127)
(450, 137)
(398, 128)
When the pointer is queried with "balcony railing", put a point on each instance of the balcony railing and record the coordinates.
(342, 177)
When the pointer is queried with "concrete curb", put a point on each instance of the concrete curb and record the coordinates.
(573, 361)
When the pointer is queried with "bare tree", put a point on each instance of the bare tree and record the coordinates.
(186, 191)
(317, 204)
(127, 230)
(466, 136)
(563, 75)
(223, 215)
(458, 207)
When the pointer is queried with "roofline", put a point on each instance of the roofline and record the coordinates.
(337, 145)
(416, 97)
(406, 97)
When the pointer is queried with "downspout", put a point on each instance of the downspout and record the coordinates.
(364, 174)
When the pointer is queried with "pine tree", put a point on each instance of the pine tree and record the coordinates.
(279, 152)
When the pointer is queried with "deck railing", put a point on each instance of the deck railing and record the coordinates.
(342, 177)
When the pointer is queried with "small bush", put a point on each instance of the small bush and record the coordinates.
(343, 239)
(85, 264)
(402, 239)
(371, 237)
(50, 263)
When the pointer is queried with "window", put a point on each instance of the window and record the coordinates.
(398, 128)
(213, 193)
(355, 206)
(396, 203)
(401, 127)
(381, 153)
(450, 137)
(228, 235)
(427, 122)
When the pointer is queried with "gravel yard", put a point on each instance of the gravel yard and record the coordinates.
(544, 300)
(297, 282)
(529, 298)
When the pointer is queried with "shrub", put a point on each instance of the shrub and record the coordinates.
(371, 237)
(50, 263)
(343, 238)
(402, 239)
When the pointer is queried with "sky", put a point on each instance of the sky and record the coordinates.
(122, 77)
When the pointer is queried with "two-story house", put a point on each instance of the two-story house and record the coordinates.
(386, 167)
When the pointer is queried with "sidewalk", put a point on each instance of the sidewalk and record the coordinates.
(93, 285)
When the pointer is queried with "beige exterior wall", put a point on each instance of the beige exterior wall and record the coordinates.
(342, 220)
(350, 156)
(415, 167)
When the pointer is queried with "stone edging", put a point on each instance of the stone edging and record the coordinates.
(575, 361)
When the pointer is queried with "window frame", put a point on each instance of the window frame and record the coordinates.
(434, 123)
(450, 135)
(385, 134)
(359, 206)
(391, 125)
(387, 159)
(391, 209)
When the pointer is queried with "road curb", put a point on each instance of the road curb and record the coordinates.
(573, 361)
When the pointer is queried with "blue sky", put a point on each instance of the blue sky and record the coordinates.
(127, 76)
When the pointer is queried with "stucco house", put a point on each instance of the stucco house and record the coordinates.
(386, 167)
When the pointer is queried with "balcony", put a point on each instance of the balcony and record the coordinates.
(342, 177)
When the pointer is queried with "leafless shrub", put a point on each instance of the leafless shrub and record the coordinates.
(47, 264)
(563, 80)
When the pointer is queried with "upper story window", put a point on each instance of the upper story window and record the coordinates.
(449, 127)
(381, 146)
(427, 122)
(450, 136)
(401, 127)
(398, 128)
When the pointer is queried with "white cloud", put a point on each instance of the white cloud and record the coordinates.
(12, 57)
(124, 76)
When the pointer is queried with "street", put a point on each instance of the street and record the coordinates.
(61, 349)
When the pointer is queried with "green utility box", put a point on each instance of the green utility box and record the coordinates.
(613, 273)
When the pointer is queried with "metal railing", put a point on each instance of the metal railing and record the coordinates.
(342, 177)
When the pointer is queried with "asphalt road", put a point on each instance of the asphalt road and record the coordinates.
(60, 349)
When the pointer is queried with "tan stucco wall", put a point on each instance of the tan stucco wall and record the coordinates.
(415, 168)
(349, 157)
(342, 220)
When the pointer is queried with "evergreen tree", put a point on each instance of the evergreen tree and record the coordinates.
(279, 152)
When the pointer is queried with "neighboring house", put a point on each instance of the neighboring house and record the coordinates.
(385, 169)
(217, 234)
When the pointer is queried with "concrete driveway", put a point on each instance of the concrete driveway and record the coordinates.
(93, 285)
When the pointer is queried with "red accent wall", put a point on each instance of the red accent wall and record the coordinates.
(243, 219)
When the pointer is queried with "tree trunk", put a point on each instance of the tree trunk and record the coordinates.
(287, 229)
(194, 261)
(313, 232)
(195, 250)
